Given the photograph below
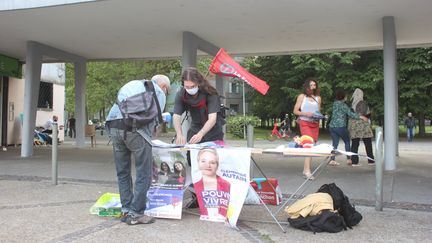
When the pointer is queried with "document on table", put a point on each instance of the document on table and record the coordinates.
(318, 150)
(161, 144)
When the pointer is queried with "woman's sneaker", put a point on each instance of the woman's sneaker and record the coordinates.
(144, 219)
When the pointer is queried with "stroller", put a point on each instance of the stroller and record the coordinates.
(41, 138)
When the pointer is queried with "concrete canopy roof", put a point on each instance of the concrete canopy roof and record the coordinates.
(118, 29)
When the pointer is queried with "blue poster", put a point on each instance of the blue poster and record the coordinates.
(165, 196)
(164, 203)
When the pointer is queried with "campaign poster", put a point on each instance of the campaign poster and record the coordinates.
(169, 175)
(221, 180)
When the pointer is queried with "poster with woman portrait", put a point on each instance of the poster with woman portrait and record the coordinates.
(221, 181)
(169, 174)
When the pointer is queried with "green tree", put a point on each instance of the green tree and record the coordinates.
(104, 79)
(415, 83)
(286, 75)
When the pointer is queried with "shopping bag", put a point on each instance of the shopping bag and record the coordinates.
(108, 205)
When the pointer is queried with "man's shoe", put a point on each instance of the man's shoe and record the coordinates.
(355, 165)
(123, 217)
(144, 219)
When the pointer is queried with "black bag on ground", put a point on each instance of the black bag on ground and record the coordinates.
(335, 192)
(140, 109)
(327, 221)
(351, 215)
(342, 204)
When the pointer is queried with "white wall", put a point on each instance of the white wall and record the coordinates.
(52, 73)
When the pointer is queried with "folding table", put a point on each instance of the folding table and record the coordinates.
(323, 151)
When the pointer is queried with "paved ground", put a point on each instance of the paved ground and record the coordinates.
(34, 210)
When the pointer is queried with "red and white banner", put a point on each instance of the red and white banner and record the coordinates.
(223, 64)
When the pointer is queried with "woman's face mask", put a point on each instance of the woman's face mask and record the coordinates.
(190, 87)
(192, 91)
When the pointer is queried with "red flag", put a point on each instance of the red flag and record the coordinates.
(224, 65)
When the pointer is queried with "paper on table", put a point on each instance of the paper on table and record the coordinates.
(203, 145)
(351, 154)
(161, 144)
(318, 150)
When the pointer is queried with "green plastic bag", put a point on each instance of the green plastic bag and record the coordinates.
(108, 205)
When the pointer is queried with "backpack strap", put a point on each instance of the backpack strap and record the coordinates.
(149, 84)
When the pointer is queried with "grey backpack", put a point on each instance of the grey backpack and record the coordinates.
(140, 109)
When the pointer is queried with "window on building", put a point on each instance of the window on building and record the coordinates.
(234, 109)
(234, 88)
(45, 99)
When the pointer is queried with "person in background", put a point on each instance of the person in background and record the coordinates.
(338, 129)
(360, 129)
(48, 126)
(285, 126)
(307, 104)
(137, 141)
(410, 126)
(71, 126)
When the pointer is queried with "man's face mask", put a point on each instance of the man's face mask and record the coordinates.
(192, 91)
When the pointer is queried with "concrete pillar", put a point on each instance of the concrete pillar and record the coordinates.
(80, 81)
(390, 93)
(31, 91)
(35, 53)
(189, 51)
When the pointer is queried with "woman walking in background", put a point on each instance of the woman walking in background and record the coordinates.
(338, 129)
(360, 129)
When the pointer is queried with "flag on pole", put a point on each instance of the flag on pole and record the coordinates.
(223, 64)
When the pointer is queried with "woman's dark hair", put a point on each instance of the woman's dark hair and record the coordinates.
(307, 90)
(179, 172)
(340, 94)
(193, 75)
(164, 163)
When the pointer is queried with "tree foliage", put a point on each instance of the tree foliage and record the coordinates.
(104, 79)
(415, 83)
(345, 70)
(285, 75)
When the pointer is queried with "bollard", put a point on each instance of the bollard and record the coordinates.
(250, 144)
(54, 148)
(250, 136)
(379, 168)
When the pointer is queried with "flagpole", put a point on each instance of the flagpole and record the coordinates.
(244, 110)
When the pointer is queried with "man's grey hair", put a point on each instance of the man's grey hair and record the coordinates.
(162, 79)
